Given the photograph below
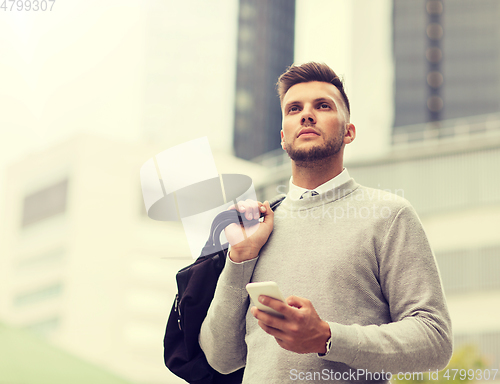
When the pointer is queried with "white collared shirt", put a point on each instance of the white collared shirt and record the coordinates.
(295, 192)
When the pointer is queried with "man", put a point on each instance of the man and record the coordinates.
(364, 297)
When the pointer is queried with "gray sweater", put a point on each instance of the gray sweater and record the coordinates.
(362, 257)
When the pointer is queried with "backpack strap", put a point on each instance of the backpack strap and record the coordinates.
(223, 219)
(276, 201)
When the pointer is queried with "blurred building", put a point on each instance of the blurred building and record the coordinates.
(265, 49)
(82, 263)
(447, 64)
(188, 71)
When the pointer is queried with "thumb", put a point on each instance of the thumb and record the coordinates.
(295, 301)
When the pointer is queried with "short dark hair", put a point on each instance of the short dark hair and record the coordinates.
(307, 72)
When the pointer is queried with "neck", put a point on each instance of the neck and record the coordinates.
(311, 174)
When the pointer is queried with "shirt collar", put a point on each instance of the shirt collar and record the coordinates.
(295, 192)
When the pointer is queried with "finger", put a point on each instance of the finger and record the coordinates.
(297, 302)
(281, 336)
(262, 209)
(268, 213)
(269, 323)
(241, 207)
(238, 207)
(268, 319)
(271, 330)
(245, 209)
(275, 304)
(281, 343)
(252, 209)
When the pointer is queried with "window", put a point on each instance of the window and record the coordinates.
(470, 269)
(45, 293)
(45, 203)
(46, 326)
(48, 259)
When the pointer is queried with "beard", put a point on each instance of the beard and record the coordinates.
(316, 153)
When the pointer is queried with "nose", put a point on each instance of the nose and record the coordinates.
(308, 116)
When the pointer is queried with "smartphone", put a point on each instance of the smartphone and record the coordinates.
(266, 288)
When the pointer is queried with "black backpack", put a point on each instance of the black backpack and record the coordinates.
(195, 289)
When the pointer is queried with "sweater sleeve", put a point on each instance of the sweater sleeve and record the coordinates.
(222, 334)
(419, 337)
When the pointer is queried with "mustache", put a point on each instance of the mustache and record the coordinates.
(308, 124)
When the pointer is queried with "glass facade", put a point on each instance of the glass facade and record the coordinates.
(447, 61)
(265, 50)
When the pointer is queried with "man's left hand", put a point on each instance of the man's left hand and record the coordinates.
(301, 330)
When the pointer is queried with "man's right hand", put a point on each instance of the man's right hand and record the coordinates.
(246, 241)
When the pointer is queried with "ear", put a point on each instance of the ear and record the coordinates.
(350, 133)
(282, 140)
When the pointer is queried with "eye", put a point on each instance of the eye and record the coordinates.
(293, 108)
(324, 106)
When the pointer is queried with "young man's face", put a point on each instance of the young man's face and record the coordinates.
(314, 121)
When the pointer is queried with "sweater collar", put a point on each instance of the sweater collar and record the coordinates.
(330, 196)
(295, 192)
